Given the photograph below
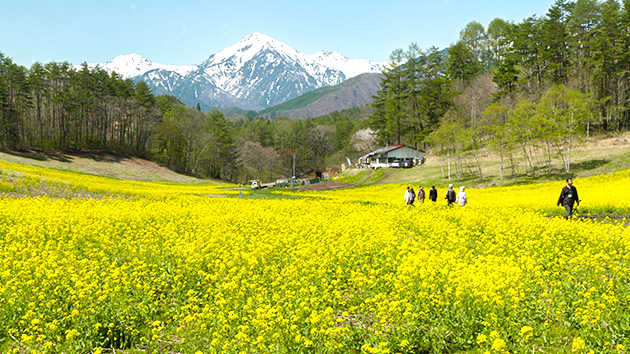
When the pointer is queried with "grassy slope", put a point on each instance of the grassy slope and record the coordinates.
(301, 101)
(100, 164)
(309, 97)
(597, 156)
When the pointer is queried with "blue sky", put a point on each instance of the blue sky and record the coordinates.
(188, 32)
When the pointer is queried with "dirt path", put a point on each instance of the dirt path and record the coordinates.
(605, 218)
(323, 186)
(386, 175)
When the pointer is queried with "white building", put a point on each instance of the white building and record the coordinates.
(392, 156)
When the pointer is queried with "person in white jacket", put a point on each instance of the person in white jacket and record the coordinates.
(461, 196)
(408, 196)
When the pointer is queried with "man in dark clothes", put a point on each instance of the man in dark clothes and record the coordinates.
(433, 194)
(568, 196)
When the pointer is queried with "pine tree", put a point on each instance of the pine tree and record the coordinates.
(584, 17)
(555, 35)
(461, 62)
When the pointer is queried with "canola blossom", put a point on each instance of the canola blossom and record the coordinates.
(60, 184)
(601, 194)
(166, 268)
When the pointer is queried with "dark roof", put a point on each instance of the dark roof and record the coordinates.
(387, 149)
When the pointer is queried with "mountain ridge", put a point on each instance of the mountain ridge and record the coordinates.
(255, 73)
(356, 91)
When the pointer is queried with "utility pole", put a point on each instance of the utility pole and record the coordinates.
(293, 177)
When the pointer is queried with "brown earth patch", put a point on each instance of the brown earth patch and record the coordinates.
(623, 220)
(386, 175)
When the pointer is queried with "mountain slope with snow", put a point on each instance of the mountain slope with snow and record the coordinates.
(134, 65)
(255, 73)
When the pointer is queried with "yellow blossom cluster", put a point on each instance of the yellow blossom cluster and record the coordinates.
(601, 194)
(356, 270)
(32, 180)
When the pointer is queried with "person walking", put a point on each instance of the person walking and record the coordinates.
(461, 197)
(408, 196)
(451, 196)
(568, 196)
(433, 194)
(420, 194)
(413, 196)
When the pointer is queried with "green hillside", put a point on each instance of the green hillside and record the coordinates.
(301, 101)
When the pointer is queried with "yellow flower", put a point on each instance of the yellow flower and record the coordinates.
(26, 338)
(526, 332)
(168, 261)
(71, 333)
(498, 345)
(482, 339)
(578, 344)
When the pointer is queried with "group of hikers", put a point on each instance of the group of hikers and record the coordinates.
(451, 197)
(568, 196)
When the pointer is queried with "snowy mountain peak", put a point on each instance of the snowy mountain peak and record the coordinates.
(264, 41)
(129, 65)
(132, 58)
(256, 72)
(330, 55)
(257, 37)
(349, 67)
(134, 65)
(245, 49)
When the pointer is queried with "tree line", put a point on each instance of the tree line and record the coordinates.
(57, 107)
(527, 91)
(268, 146)
(54, 106)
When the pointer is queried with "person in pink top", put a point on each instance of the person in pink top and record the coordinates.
(461, 196)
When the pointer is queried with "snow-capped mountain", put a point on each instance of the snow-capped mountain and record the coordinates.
(133, 65)
(350, 68)
(255, 73)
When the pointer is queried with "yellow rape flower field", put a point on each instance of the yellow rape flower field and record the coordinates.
(95, 265)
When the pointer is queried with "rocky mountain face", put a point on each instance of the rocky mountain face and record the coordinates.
(256, 73)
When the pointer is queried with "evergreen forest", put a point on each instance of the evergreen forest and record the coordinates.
(530, 92)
